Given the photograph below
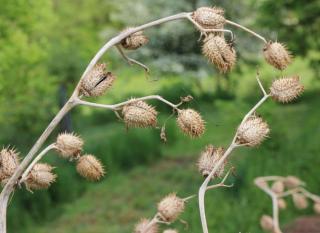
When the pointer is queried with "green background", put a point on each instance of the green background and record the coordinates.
(46, 45)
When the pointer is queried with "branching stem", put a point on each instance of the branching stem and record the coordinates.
(120, 105)
(247, 30)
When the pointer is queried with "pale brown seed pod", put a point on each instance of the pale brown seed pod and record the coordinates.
(170, 231)
(146, 226)
(170, 207)
(40, 176)
(219, 53)
(286, 89)
(282, 204)
(68, 145)
(191, 122)
(252, 132)
(277, 187)
(134, 41)
(292, 182)
(316, 207)
(208, 159)
(277, 55)
(9, 161)
(139, 114)
(97, 81)
(89, 167)
(266, 223)
(209, 17)
(300, 201)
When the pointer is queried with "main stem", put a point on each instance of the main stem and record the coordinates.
(233, 145)
(9, 187)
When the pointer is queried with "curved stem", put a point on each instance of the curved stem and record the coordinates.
(247, 30)
(119, 105)
(37, 158)
(132, 61)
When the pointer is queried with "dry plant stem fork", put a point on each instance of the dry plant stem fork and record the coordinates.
(233, 145)
(156, 219)
(73, 101)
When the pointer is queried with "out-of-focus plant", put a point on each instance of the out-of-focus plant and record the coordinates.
(281, 188)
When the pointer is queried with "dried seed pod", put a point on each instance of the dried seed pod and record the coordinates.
(139, 114)
(170, 231)
(299, 201)
(146, 226)
(68, 145)
(40, 176)
(277, 187)
(9, 161)
(286, 89)
(253, 131)
(97, 81)
(277, 55)
(316, 207)
(266, 223)
(219, 53)
(208, 159)
(292, 182)
(191, 122)
(209, 17)
(170, 207)
(282, 204)
(134, 41)
(89, 167)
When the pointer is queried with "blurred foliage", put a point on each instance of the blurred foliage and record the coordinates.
(45, 46)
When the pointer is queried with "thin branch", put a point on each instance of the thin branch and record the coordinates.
(260, 84)
(37, 159)
(132, 61)
(275, 206)
(247, 30)
(205, 30)
(119, 105)
(232, 146)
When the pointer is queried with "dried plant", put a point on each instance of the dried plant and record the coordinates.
(278, 188)
(136, 112)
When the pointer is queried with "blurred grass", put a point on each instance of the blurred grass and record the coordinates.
(122, 198)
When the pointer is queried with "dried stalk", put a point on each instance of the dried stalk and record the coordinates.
(261, 182)
(233, 145)
(28, 161)
(156, 219)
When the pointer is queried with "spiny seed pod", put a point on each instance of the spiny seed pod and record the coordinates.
(97, 81)
(292, 182)
(208, 159)
(277, 187)
(316, 207)
(219, 53)
(253, 131)
(266, 223)
(89, 167)
(146, 226)
(170, 231)
(134, 41)
(69, 145)
(40, 176)
(139, 114)
(282, 204)
(209, 18)
(9, 161)
(286, 89)
(277, 55)
(191, 122)
(299, 201)
(170, 207)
